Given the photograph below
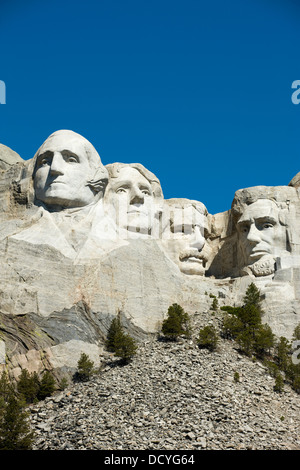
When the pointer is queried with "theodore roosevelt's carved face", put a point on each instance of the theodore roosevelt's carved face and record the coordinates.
(186, 242)
(63, 170)
(261, 234)
(131, 198)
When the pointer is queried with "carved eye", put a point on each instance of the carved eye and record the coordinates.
(72, 159)
(121, 190)
(146, 192)
(244, 229)
(267, 225)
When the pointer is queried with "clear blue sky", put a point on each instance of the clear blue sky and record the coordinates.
(197, 91)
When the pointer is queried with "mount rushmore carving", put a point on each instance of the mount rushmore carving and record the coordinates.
(82, 241)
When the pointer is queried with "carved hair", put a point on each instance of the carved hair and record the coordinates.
(246, 197)
(182, 203)
(115, 168)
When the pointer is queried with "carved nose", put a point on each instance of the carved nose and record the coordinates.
(197, 240)
(137, 197)
(253, 235)
(56, 167)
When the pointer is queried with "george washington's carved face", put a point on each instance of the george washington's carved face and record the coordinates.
(63, 170)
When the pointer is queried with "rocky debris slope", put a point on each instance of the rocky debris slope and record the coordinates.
(172, 396)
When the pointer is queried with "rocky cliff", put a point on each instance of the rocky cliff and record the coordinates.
(69, 265)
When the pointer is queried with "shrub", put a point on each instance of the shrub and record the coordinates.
(215, 304)
(236, 377)
(208, 338)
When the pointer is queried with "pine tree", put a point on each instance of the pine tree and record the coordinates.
(279, 383)
(15, 432)
(208, 338)
(176, 323)
(47, 386)
(85, 367)
(114, 329)
(296, 334)
(252, 296)
(6, 388)
(283, 349)
(124, 346)
(28, 385)
(264, 340)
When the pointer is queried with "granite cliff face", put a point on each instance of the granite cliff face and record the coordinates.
(81, 242)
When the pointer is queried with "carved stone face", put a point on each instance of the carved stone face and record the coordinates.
(62, 172)
(187, 240)
(130, 198)
(260, 232)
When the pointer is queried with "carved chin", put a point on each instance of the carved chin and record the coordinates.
(192, 266)
(263, 267)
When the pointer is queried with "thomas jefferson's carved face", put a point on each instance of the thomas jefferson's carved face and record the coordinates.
(260, 232)
(62, 172)
(132, 200)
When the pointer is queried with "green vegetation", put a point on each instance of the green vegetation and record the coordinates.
(32, 388)
(85, 368)
(244, 325)
(236, 377)
(15, 432)
(119, 342)
(176, 324)
(208, 338)
(114, 329)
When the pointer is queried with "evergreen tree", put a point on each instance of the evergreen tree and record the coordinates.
(296, 383)
(176, 323)
(279, 383)
(15, 433)
(283, 349)
(252, 296)
(28, 385)
(208, 338)
(296, 334)
(124, 346)
(6, 388)
(232, 326)
(215, 304)
(47, 386)
(85, 367)
(264, 340)
(114, 329)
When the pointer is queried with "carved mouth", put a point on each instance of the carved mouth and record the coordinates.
(258, 253)
(193, 259)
